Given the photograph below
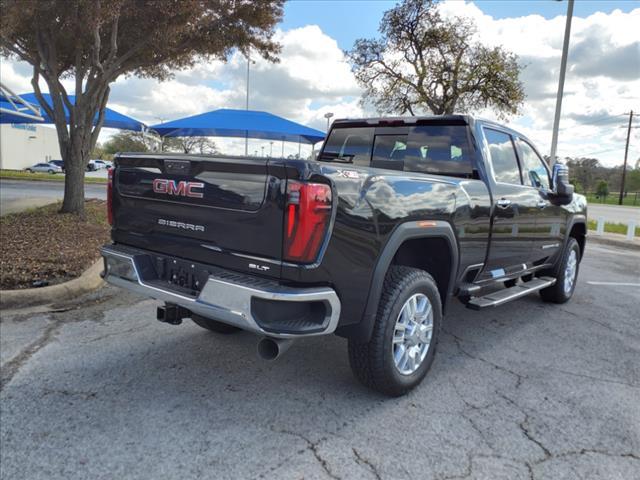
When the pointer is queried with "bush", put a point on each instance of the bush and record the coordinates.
(602, 190)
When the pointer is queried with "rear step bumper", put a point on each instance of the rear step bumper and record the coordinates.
(251, 303)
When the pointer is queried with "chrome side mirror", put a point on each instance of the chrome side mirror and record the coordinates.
(560, 178)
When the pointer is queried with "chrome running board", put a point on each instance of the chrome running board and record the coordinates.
(508, 294)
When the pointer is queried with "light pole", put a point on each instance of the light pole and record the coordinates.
(328, 115)
(262, 147)
(563, 69)
(162, 120)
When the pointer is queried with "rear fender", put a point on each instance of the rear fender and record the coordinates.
(407, 231)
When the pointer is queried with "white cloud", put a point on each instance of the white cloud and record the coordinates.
(313, 78)
(602, 80)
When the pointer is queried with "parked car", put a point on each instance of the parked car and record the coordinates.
(59, 163)
(100, 164)
(44, 168)
(371, 242)
(91, 166)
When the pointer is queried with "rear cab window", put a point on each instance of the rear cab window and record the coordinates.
(434, 149)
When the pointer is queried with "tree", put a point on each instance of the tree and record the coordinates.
(603, 189)
(126, 141)
(201, 145)
(425, 62)
(584, 171)
(96, 41)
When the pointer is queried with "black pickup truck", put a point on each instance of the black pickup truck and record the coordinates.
(370, 241)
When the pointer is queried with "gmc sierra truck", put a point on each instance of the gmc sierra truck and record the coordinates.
(370, 241)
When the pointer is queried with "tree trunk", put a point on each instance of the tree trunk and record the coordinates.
(75, 162)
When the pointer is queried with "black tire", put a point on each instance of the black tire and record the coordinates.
(29, 170)
(51, 172)
(556, 293)
(214, 326)
(372, 362)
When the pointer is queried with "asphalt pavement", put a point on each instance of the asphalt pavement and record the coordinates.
(614, 213)
(16, 195)
(530, 390)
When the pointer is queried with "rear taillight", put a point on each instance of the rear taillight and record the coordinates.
(307, 217)
(110, 196)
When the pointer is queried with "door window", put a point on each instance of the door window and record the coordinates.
(503, 157)
(535, 173)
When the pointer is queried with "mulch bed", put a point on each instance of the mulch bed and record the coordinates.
(43, 247)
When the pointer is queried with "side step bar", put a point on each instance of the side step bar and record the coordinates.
(503, 296)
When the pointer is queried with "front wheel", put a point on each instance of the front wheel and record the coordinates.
(566, 275)
(51, 172)
(29, 170)
(405, 334)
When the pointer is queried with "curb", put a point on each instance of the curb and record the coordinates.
(89, 280)
(613, 241)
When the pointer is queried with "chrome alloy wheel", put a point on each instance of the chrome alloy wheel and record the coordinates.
(570, 272)
(412, 334)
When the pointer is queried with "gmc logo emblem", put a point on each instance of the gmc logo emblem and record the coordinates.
(180, 189)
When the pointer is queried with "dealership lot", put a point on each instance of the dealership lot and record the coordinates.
(528, 390)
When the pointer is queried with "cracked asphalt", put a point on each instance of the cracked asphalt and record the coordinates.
(529, 390)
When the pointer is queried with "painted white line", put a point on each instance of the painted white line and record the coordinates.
(616, 284)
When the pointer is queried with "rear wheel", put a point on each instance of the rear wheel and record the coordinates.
(51, 172)
(29, 170)
(213, 325)
(405, 334)
(566, 275)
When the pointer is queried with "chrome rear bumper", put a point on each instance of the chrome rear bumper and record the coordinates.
(224, 297)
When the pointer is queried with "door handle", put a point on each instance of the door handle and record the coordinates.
(503, 203)
(542, 204)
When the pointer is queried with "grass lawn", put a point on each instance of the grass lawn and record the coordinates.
(631, 200)
(42, 245)
(620, 228)
(57, 177)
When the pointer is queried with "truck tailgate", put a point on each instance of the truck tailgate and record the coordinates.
(226, 211)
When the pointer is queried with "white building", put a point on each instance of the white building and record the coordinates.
(22, 145)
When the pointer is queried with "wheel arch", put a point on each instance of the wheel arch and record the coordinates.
(578, 229)
(403, 248)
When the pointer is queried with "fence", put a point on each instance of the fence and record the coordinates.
(631, 199)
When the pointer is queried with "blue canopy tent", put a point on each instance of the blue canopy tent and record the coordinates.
(112, 119)
(14, 109)
(239, 123)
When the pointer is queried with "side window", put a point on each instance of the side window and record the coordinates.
(503, 157)
(389, 151)
(349, 145)
(534, 171)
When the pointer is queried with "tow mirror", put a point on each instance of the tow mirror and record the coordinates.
(561, 186)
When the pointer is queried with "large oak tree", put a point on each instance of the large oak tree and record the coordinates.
(426, 62)
(94, 42)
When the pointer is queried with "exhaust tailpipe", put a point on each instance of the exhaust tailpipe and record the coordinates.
(270, 348)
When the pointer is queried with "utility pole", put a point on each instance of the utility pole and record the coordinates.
(563, 69)
(626, 153)
(246, 107)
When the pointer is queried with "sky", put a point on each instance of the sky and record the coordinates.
(313, 76)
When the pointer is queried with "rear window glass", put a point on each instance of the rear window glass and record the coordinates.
(438, 149)
(349, 145)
